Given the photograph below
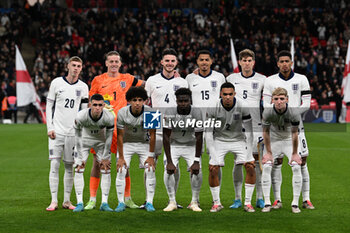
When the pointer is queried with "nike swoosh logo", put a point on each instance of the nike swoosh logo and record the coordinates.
(103, 86)
(158, 87)
(194, 85)
(236, 83)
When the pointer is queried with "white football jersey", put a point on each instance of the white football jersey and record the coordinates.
(161, 90)
(132, 125)
(66, 99)
(249, 91)
(205, 90)
(231, 121)
(94, 129)
(296, 85)
(281, 123)
(183, 126)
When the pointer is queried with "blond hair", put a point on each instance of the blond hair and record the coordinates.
(75, 58)
(280, 91)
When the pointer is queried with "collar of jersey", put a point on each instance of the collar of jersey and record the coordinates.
(177, 111)
(161, 73)
(248, 76)
(291, 75)
(143, 108)
(234, 103)
(282, 112)
(93, 118)
(64, 78)
(211, 71)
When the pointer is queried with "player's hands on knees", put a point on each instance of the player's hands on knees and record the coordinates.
(120, 164)
(80, 167)
(51, 134)
(195, 168)
(170, 168)
(267, 158)
(295, 158)
(151, 163)
(105, 164)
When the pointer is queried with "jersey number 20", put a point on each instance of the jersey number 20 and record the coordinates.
(69, 103)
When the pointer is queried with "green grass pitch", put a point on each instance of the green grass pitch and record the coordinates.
(24, 192)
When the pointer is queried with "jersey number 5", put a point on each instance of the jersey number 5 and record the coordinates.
(245, 94)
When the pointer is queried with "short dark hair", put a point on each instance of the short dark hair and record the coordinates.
(169, 51)
(183, 91)
(135, 92)
(284, 53)
(246, 53)
(204, 51)
(111, 53)
(96, 97)
(227, 85)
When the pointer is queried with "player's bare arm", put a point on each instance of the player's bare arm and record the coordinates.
(199, 143)
(295, 155)
(266, 135)
(152, 142)
(121, 161)
(171, 169)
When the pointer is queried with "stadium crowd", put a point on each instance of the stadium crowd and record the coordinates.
(321, 36)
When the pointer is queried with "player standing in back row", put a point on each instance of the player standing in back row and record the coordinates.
(66, 96)
(112, 85)
(298, 88)
(249, 86)
(161, 91)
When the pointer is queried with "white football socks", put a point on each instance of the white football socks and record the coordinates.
(68, 180)
(277, 181)
(249, 189)
(79, 186)
(150, 184)
(54, 178)
(169, 181)
(237, 174)
(266, 182)
(297, 183)
(120, 184)
(105, 185)
(306, 182)
(215, 192)
(196, 183)
(258, 172)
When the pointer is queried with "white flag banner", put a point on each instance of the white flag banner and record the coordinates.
(346, 77)
(26, 93)
(292, 51)
(234, 58)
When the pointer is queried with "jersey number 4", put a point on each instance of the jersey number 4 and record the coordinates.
(167, 98)
(69, 103)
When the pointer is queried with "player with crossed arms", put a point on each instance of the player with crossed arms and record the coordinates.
(93, 129)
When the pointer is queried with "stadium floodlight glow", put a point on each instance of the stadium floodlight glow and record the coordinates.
(32, 2)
